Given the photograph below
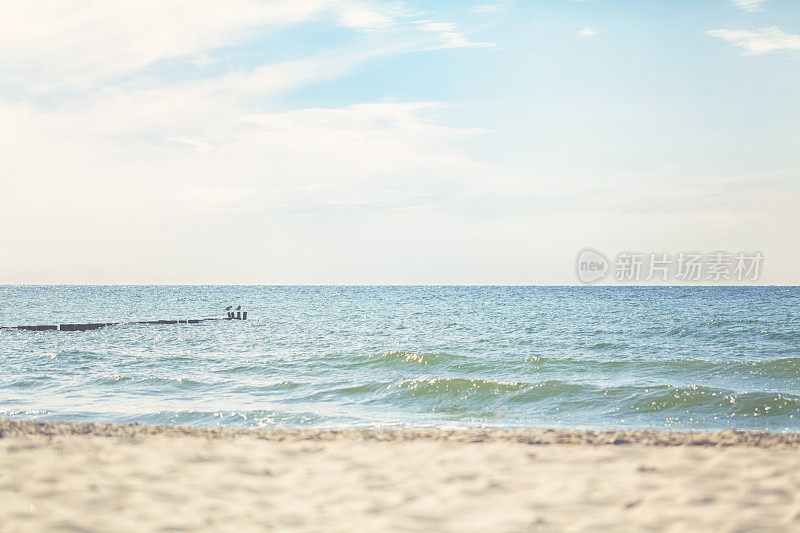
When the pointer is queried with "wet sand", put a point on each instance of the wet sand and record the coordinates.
(109, 477)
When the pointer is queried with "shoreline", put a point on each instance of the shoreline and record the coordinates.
(131, 477)
(725, 438)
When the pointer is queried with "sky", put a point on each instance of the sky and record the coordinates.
(408, 142)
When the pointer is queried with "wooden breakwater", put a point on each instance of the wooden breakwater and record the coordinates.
(232, 315)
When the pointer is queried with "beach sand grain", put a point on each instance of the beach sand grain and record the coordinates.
(110, 477)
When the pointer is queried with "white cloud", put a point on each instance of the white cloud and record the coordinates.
(91, 193)
(104, 163)
(748, 5)
(364, 17)
(146, 156)
(46, 45)
(202, 60)
(759, 42)
(450, 36)
(587, 32)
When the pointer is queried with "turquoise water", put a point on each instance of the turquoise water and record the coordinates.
(519, 357)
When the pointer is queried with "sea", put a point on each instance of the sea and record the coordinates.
(677, 358)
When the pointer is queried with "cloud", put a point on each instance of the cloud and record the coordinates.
(450, 36)
(748, 5)
(202, 60)
(759, 42)
(587, 32)
(365, 17)
(106, 160)
(49, 45)
(46, 44)
(217, 142)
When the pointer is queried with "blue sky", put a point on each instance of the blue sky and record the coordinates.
(311, 141)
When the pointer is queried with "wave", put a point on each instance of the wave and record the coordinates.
(457, 386)
(787, 367)
(705, 400)
(777, 368)
(400, 357)
(564, 396)
(218, 418)
(152, 381)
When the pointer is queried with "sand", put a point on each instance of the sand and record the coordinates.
(107, 477)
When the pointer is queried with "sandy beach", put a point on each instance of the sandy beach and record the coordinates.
(110, 477)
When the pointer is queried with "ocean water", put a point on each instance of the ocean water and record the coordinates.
(705, 358)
